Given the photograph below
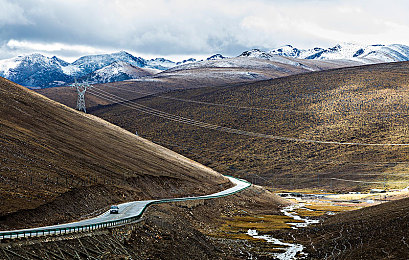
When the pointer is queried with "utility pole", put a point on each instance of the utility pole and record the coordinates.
(81, 89)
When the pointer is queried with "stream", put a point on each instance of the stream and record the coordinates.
(292, 251)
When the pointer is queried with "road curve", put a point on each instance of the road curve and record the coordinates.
(128, 210)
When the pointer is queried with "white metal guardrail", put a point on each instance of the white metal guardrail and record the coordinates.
(73, 227)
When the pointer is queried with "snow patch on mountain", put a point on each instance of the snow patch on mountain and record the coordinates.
(160, 64)
(348, 51)
(256, 53)
(191, 60)
(7, 65)
(117, 71)
(241, 62)
(90, 63)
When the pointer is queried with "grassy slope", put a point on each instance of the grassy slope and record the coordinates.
(66, 164)
(361, 104)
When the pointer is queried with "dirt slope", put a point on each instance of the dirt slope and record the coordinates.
(366, 104)
(65, 164)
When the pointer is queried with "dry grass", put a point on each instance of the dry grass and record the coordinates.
(236, 227)
(310, 213)
(264, 223)
(366, 104)
(333, 208)
(48, 150)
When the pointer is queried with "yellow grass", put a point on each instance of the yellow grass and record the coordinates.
(332, 208)
(263, 223)
(309, 213)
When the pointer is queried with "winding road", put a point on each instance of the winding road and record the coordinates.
(128, 212)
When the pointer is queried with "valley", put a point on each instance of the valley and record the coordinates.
(327, 138)
(204, 130)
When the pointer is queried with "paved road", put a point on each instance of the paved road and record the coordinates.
(126, 210)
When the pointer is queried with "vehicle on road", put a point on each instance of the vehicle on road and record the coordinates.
(114, 209)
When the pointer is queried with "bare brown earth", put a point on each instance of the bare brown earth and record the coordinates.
(366, 104)
(58, 164)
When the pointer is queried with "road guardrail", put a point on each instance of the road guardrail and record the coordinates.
(35, 232)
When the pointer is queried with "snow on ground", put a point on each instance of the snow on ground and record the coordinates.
(7, 64)
(71, 70)
(195, 74)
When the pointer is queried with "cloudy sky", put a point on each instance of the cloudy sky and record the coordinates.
(178, 29)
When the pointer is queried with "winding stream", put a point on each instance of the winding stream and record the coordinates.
(292, 251)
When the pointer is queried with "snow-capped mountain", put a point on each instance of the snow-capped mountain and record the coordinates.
(117, 71)
(164, 64)
(216, 57)
(191, 60)
(259, 54)
(88, 64)
(349, 51)
(39, 71)
(35, 70)
(160, 64)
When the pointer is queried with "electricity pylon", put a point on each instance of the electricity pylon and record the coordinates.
(81, 89)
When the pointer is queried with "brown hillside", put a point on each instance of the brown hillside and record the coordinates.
(65, 164)
(367, 104)
(378, 232)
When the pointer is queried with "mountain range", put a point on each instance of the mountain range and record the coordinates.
(366, 53)
(38, 71)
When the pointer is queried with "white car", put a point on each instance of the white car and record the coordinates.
(114, 209)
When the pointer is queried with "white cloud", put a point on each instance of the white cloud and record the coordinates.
(185, 27)
(50, 47)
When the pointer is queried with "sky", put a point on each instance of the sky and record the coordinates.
(179, 29)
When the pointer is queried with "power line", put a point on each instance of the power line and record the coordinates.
(298, 160)
(256, 108)
(148, 110)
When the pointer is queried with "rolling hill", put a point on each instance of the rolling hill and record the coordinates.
(58, 164)
(274, 121)
(215, 71)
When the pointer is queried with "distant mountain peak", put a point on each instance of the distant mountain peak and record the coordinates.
(347, 51)
(255, 53)
(117, 71)
(37, 70)
(216, 57)
(190, 60)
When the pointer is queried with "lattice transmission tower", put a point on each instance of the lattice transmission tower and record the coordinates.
(81, 89)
